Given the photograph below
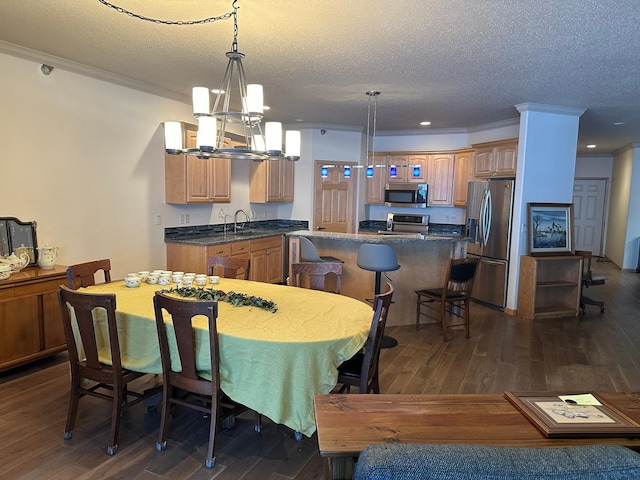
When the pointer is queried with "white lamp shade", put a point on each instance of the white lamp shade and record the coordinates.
(273, 133)
(258, 143)
(173, 135)
(201, 101)
(255, 100)
(292, 143)
(206, 132)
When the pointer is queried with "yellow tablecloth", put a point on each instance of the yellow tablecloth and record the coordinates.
(274, 363)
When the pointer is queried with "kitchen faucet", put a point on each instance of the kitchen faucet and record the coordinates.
(235, 220)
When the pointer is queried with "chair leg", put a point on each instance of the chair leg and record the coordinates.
(74, 399)
(213, 427)
(443, 320)
(466, 316)
(418, 313)
(116, 412)
(258, 426)
(167, 393)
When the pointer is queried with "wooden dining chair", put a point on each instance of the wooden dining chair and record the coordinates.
(229, 267)
(453, 298)
(84, 274)
(91, 375)
(315, 274)
(361, 370)
(186, 387)
(589, 280)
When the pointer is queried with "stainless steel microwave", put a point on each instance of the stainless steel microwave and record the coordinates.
(406, 195)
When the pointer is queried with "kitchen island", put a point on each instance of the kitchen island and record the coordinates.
(423, 262)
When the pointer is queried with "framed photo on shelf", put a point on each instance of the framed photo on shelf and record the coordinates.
(550, 228)
(558, 419)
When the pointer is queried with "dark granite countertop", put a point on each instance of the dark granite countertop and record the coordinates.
(214, 234)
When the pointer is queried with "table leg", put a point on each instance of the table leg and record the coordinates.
(338, 468)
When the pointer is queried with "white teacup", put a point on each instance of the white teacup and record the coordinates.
(144, 274)
(153, 279)
(164, 280)
(186, 281)
(201, 280)
(132, 281)
(176, 277)
(214, 279)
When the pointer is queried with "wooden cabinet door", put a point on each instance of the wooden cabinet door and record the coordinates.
(440, 179)
(274, 265)
(271, 181)
(52, 318)
(375, 184)
(421, 161)
(220, 179)
(287, 174)
(402, 173)
(19, 328)
(506, 157)
(484, 162)
(462, 175)
(198, 180)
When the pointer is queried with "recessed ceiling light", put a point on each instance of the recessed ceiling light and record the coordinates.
(591, 146)
(618, 123)
(217, 90)
(425, 124)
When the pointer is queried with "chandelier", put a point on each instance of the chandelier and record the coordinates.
(370, 157)
(213, 123)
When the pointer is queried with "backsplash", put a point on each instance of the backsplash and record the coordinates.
(434, 228)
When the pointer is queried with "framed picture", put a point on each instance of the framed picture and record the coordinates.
(558, 419)
(550, 228)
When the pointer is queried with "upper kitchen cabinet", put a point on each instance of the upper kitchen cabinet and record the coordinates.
(496, 159)
(462, 175)
(405, 174)
(189, 179)
(440, 179)
(271, 181)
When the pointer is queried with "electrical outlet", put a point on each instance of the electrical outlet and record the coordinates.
(158, 220)
(221, 213)
(186, 218)
(181, 219)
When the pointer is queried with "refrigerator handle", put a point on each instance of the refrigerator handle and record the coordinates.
(488, 213)
(481, 218)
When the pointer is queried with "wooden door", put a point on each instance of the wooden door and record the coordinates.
(440, 179)
(334, 200)
(589, 196)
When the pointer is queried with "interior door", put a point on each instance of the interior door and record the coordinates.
(334, 200)
(589, 195)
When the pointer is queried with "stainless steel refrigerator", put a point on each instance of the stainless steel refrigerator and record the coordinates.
(489, 213)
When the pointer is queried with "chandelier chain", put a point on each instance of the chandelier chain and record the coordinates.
(225, 16)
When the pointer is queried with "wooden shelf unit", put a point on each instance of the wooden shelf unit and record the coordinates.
(549, 287)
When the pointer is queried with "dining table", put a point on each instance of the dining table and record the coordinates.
(271, 362)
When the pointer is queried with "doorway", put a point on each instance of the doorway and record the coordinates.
(334, 199)
(589, 198)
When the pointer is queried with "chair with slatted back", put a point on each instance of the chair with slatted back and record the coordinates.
(453, 298)
(229, 267)
(187, 387)
(589, 280)
(91, 374)
(315, 274)
(84, 274)
(361, 370)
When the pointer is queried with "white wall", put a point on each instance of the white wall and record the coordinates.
(624, 209)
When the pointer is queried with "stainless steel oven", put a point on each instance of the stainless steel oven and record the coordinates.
(406, 224)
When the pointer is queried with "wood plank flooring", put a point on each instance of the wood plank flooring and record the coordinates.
(595, 351)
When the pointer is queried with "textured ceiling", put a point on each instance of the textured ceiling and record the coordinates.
(456, 63)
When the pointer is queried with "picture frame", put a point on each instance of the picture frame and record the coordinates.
(557, 419)
(550, 228)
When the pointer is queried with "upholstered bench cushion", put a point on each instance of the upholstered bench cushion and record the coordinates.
(467, 462)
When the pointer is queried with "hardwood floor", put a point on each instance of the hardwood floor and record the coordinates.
(595, 351)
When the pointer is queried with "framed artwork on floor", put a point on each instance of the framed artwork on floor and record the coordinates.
(550, 228)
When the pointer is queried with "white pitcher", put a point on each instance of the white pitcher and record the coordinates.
(47, 256)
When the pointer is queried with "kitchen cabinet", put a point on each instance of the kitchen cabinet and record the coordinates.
(496, 159)
(381, 176)
(267, 259)
(549, 286)
(440, 179)
(375, 184)
(462, 175)
(30, 320)
(265, 254)
(271, 181)
(189, 179)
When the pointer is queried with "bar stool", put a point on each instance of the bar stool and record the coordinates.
(309, 253)
(378, 258)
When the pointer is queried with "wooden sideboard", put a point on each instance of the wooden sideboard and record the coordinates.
(30, 322)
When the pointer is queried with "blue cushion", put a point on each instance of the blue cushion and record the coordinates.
(474, 462)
